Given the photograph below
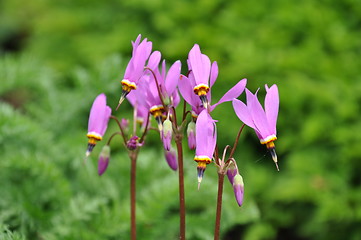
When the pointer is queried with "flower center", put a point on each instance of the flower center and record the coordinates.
(128, 85)
(201, 89)
(268, 139)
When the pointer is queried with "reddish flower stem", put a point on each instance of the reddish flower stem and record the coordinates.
(133, 158)
(182, 208)
(182, 212)
(236, 141)
(219, 206)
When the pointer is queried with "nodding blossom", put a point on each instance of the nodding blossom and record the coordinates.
(135, 67)
(204, 73)
(206, 138)
(263, 121)
(103, 159)
(238, 188)
(98, 121)
(171, 158)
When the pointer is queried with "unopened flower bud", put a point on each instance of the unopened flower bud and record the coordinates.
(103, 159)
(238, 188)
(132, 143)
(231, 171)
(191, 134)
(167, 134)
(171, 158)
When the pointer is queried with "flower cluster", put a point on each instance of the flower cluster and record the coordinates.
(153, 89)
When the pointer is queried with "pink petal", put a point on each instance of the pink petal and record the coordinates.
(108, 112)
(206, 134)
(234, 92)
(271, 104)
(186, 89)
(200, 65)
(243, 113)
(214, 74)
(202, 126)
(173, 75)
(258, 115)
(97, 114)
(154, 60)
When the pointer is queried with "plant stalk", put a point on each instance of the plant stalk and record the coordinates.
(182, 212)
(219, 206)
(133, 158)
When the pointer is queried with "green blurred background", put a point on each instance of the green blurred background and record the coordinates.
(56, 56)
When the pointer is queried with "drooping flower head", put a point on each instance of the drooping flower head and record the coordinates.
(98, 121)
(103, 161)
(204, 74)
(171, 158)
(263, 121)
(238, 188)
(135, 68)
(206, 138)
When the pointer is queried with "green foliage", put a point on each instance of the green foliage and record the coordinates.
(58, 55)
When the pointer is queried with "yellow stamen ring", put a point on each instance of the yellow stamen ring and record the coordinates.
(128, 85)
(202, 160)
(201, 89)
(157, 110)
(268, 139)
(93, 138)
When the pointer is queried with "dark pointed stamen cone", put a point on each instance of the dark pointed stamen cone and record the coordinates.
(204, 101)
(200, 170)
(89, 149)
(122, 97)
(274, 156)
(160, 123)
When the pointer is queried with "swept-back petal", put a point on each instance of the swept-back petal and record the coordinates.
(243, 113)
(136, 43)
(200, 65)
(271, 105)
(258, 115)
(214, 74)
(212, 137)
(172, 78)
(108, 112)
(232, 93)
(154, 60)
(202, 133)
(186, 90)
(97, 113)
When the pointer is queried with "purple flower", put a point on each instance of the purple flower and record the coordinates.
(171, 158)
(200, 65)
(186, 89)
(238, 188)
(206, 137)
(262, 121)
(135, 68)
(98, 121)
(103, 160)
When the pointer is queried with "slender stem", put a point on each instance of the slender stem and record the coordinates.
(182, 212)
(112, 136)
(184, 110)
(158, 86)
(121, 128)
(133, 158)
(145, 130)
(236, 142)
(219, 206)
